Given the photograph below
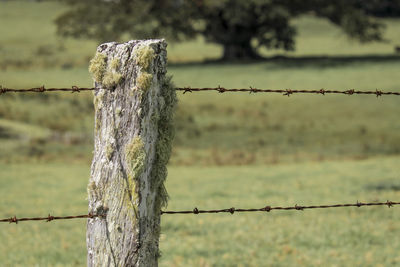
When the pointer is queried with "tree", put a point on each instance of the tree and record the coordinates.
(239, 26)
(381, 8)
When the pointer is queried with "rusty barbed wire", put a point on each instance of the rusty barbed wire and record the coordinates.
(295, 207)
(50, 218)
(42, 89)
(285, 92)
(232, 210)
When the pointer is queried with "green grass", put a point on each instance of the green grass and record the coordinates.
(295, 150)
(343, 237)
(22, 47)
(212, 128)
(215, 128)
(302, 127)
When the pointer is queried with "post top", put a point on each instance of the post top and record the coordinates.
(132, 43)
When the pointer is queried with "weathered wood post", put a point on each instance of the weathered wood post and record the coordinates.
(134, 104)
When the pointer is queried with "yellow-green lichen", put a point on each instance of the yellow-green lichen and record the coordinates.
(144, 56)
(97, 126)
(118, 111)
(164, 121)
(97, 122)
(114, 65)
(91, 188)
(131, 184)
(98, 99)
(135, 156)
(163, 146)
(108, 76)
(111, 79)
(130, 198)
(98, 66)
(109, 151)
(144, 81)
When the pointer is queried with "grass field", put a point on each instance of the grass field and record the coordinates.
(236, 150)
(341, 237)
(212, 129)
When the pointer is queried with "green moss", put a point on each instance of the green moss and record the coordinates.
(106, 75)
(132, 209)
(118, 111)
(155, 117)
(91, 188)
(144, 56)
(115, 63)
(167, 103)
(109, 151)
(131, 184)
(98, 66)
(92, 185)
(98, 99)
(97, 126)
(95, 101)
(135, 156)
(130, 199)
(144, 81)
(111, 79)
(97, 122)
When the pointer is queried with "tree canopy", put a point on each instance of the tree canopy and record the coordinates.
(239, 26)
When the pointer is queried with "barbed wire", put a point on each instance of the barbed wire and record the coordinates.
(285, 92)
(295, 207)
(50, 218)
(42, 89)
(232, 210)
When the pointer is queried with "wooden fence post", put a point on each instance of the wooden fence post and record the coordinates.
(134, 104)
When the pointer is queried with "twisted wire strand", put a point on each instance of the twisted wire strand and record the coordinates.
(50, 218)
(219, 89)
(288, 208)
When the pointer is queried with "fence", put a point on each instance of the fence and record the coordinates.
(219, 89)
(134, 103)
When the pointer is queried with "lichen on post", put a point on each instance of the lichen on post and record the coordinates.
(134, 104)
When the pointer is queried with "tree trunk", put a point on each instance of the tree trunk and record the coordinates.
(134, 103)
(239, 51)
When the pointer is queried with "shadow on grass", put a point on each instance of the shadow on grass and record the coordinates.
(300, 61)
(384, 186)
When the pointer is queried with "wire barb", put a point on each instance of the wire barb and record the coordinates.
(221, 89)
(13, 220)
(389, 203)
(75, 89)
(187, 90)
(267, 208)
(288, 92)
(50, 218)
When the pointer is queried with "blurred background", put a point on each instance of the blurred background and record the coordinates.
(236, 150)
